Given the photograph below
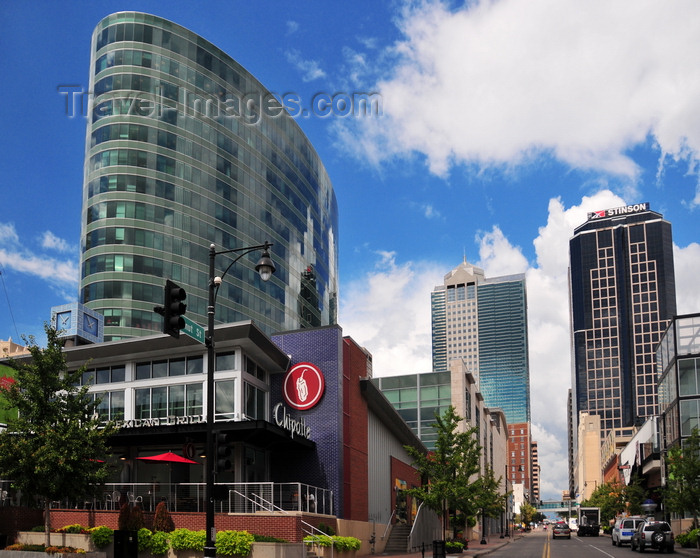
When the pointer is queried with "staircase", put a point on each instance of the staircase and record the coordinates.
(397, 543)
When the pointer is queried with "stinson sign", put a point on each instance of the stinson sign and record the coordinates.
(615, 211)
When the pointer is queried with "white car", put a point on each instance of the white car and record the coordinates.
(624, 528)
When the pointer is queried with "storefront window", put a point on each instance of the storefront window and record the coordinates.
(225, 404)
(176, 403)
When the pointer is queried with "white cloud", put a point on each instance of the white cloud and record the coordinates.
(500, 83)
(52, 242)
(14, 255)
(292, 27)
(388, 312)
(687, 263)
(310, 69)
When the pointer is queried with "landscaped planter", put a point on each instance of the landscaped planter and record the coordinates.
(259, 549)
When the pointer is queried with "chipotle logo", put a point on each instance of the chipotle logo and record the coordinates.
(303, 386)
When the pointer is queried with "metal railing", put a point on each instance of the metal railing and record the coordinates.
(252, 497)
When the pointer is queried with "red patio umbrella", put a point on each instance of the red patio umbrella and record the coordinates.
(168, 457)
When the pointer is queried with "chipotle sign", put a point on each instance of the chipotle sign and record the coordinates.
(303, 386)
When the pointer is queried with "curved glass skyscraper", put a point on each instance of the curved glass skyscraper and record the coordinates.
(185, 148)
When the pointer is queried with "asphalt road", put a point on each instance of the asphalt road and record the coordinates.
(539, 544)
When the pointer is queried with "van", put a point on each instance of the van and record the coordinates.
(624, 528)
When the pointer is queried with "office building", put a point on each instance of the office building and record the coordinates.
(418, 398)
(622, 300)
(482, 322)
(186, 148)
(678, 359)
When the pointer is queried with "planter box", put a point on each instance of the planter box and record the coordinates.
(259, 550)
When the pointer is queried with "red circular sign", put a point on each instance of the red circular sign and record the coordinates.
(303, 386)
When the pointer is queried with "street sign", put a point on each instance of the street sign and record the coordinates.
(195, 331)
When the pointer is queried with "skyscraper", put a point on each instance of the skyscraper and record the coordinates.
(622, 299)
(483, 322)
(186, 148)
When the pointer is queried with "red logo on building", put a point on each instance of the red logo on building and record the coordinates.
(303, 386)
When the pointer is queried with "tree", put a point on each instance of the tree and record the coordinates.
(682, 493)
(527, 514)
(610, 498)
(56, 446)
(451, 472)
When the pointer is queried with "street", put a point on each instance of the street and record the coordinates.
(539, 544)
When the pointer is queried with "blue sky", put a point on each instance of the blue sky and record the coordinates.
(502, 124)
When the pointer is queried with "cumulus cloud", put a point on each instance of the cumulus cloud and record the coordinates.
(388, 312)
(14, 255)
(500, 83)
(52, 242)
(310, 69)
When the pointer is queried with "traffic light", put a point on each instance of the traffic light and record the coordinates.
(223, 453)
(174, 309)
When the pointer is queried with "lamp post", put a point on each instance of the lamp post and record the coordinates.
(265, 267)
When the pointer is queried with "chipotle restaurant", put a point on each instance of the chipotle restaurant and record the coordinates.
(299, 426)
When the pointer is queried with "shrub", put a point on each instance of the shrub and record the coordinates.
(184, 539)
(64, 550)
(345, 544)
(162, 520)
(341, 544)
(454, 547)
(136, 521)
(144, 537)
(123, 519)
(327, 529)
(268, 538)
(75, 529)
(230, 543)
(101, 536)
(159, 543)
(688, 539)
(38, 529)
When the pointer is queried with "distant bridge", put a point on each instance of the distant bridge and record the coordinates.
(557, 506)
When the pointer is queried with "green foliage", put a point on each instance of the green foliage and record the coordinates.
(73, 529)
(184, 539)
(527, 513)
(159, 543)
(37, 529)
(452, 472)
(101, 536)
(682, 493)
(230, 543)
(162, 521)
(144, 538)
(341, 544)
(610, 498)
(327, 529)
(454, 547)
(268, 538)
(55, 446)
(689, 539)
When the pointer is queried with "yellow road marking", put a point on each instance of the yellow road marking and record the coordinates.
(546, 549)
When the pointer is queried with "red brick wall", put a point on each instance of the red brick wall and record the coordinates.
(13, 519)
(355, 432)
(288, 527)
(403, 471)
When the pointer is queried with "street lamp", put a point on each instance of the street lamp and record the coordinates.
(265, 267)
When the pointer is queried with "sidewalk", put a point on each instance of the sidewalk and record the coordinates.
(475, 548)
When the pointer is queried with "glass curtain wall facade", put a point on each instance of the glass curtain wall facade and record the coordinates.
(417, 398)
(504, 369)
(622, 298)
(678, 363)
(185, 148)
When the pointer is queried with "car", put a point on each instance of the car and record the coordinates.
(561, 529)
(653, 534)
(624, 528)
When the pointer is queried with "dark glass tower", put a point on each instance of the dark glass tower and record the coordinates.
(622, 299)
(185, 148)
